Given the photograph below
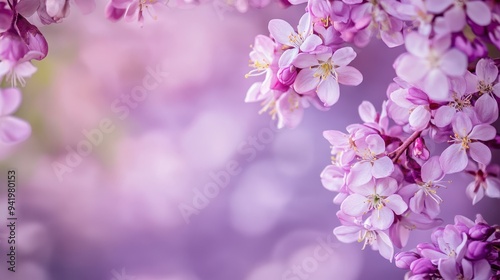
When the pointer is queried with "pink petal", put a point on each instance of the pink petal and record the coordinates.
(336, 138)
(14, 130)
(332, 178)
(417, 44)
(365, 189)
(343, 56)
(289, 110)
(417, 202)
(347, 234)
(310, 43)
(448, 268)
(328, 91)
(482, 270)
(444, 115)
(375, 143)
(436, 85)
(419, 118)
(480, 152)
(478, 12)
(306, 81)
(493, 187)
(382, 219)
(396, 203)
(438, 6)
(486, 70)
(483, 132)
(359, 174)
(10, 99)
(280, 30)
(454, 63)
(288, 57)
(462, 125)
(453, 159)
(431, 170)
(486, 109)
(386, 186)
(411, 68)
(367, 112)
(348, 75)
(382, 167)
(385, 246)
(305, 60)
(355, 205)
(305, 25)
(455, 19)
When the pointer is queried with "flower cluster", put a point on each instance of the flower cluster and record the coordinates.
(446, 92)
(465, 250)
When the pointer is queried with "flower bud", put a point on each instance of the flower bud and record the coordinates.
(481, 231)
(419, 149)
(287, 75)
(404, 259)
(478, 250)
(422, 266)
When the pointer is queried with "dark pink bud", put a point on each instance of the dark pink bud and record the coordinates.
(404, 259)
(287, 75)
(420, 150)
(421, 266)
(478, 250)
(481, 231)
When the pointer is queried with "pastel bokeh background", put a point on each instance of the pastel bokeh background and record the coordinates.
(116, 213)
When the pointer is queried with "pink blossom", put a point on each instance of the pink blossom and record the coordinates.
(430, 64)
(373, 161)
(355, 230)
(302, 40)
(378, 198)
(467, 138)
(486, 181)
(425, 199)
(454, 18)
(324, 72)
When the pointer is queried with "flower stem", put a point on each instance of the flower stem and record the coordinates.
(401, 149)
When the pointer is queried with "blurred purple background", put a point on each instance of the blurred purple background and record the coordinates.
(116, 213)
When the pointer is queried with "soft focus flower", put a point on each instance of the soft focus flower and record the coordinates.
(430, 63)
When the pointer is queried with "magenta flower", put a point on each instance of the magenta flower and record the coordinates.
(12, 129)
(429, 64)
(325, 71)
(302, 40)
(466, 139)
(452, 245)
(377, 197)
(486, 181)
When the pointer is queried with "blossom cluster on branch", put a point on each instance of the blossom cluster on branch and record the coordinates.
(446, 92)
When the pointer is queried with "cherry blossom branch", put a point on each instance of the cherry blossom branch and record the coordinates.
(401, 149)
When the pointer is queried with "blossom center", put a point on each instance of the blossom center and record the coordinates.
(459, 103)
(484, 88)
